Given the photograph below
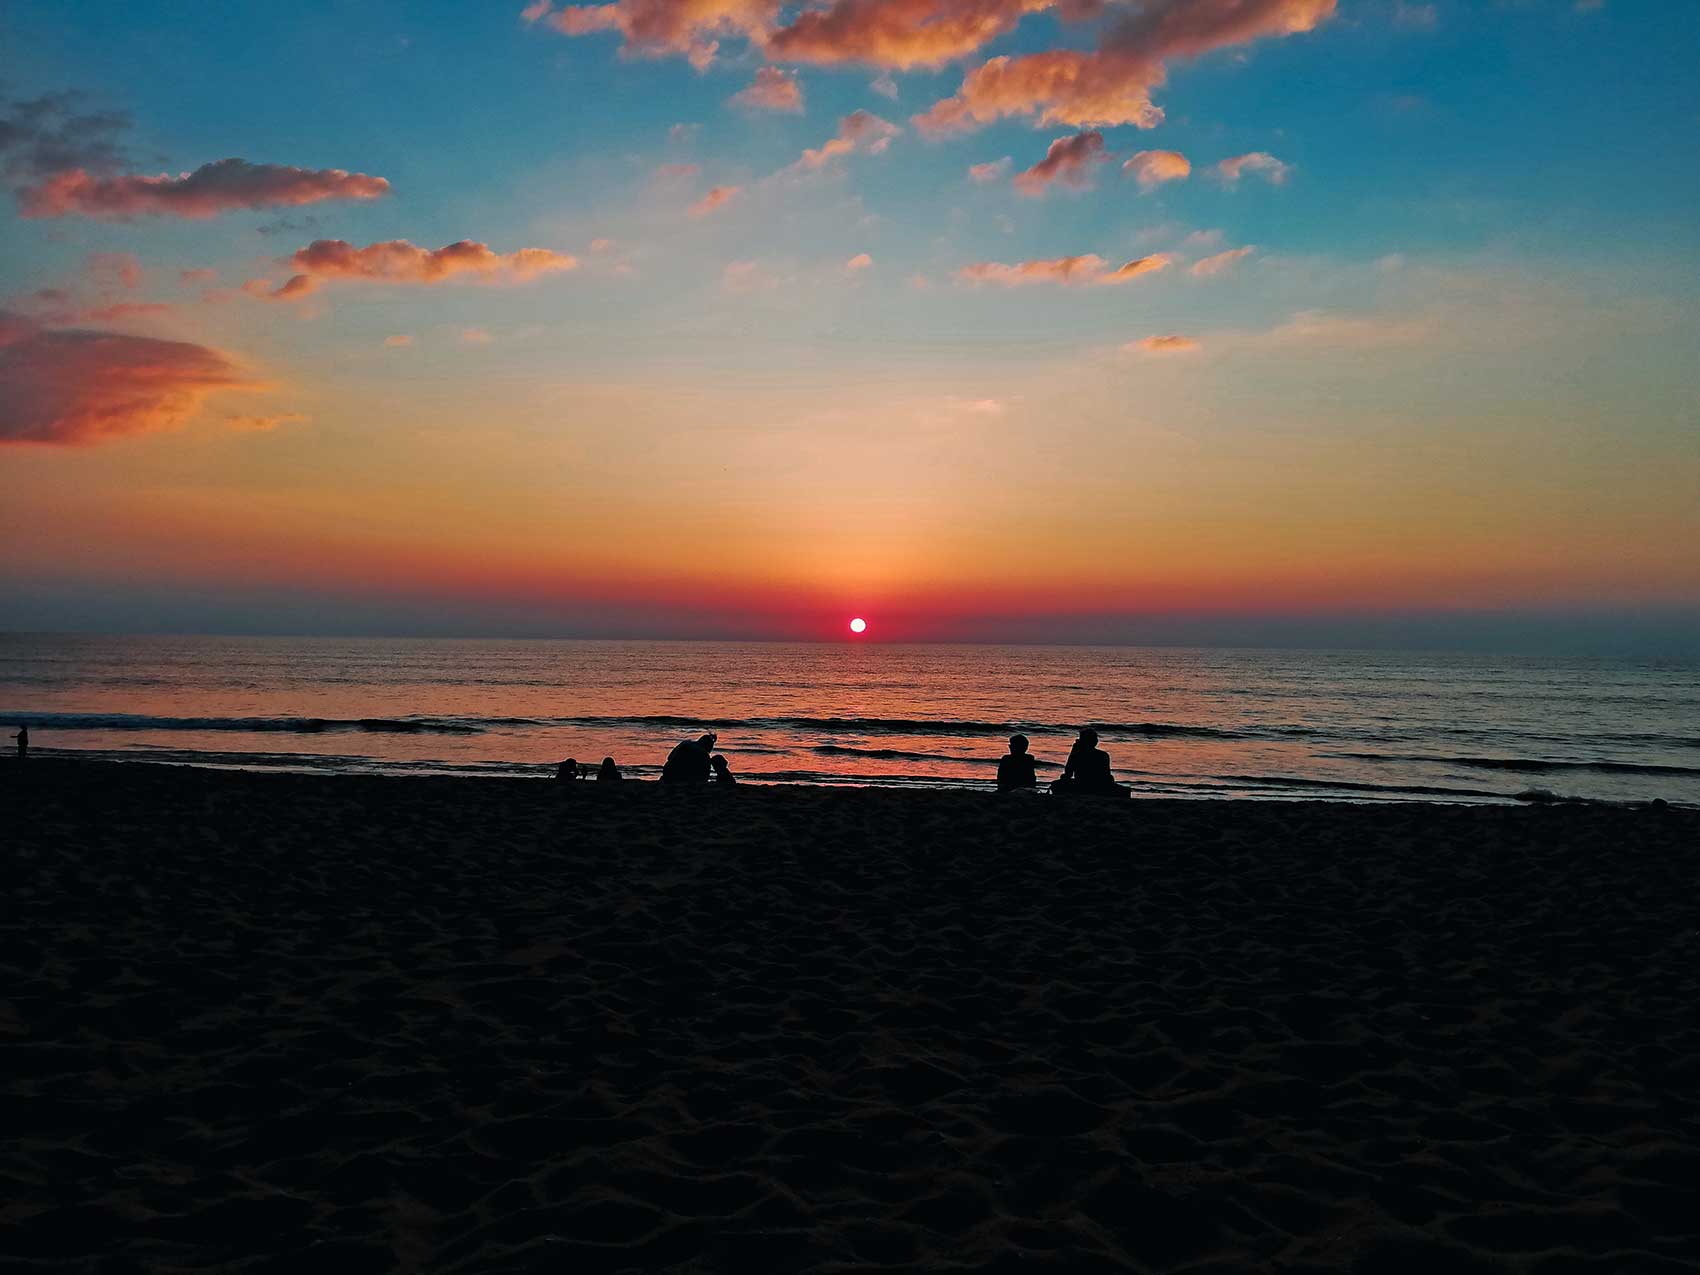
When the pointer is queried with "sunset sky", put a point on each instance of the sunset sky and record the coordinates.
(1222, 320)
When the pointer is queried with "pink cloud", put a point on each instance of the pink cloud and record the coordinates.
(1086, 268)
(476, 336)
(989, 172)
(716, 199)
(209, 190)
(1153, 264)
(860, 131)
(78, 387)
(771, 90)
(1113, 84)
(398, 261)
(1273, 170)
(602, 245)
(900, 34)
(861, 261)
(1221, 262)
(1152, 168)
(1068, 160)
(400, 341)
(1164, 345)
(657, 28)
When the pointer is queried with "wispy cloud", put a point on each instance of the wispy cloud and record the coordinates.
(715, 200)
(211, 189)
(1172, 344)
(861, 261)
(771, 90)
(398, 261)
(859, 131)
(1070, 161)
(1152, 168)
(1262, 163)
(991, 171)
(78, 387)
(1221, 261)
(1085, 268)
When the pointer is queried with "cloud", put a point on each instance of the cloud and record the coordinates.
(1164, 345)
(47, 135)
(122, 310)
(398, 261)
(1113, 84)
(76, 387)
(771, 90)
(989, 172)
(400, 341)
(200, 274)
(1352, 331)
(1152, 168)
(861, 261)
(716, 199)
(885, 86)
(115, 270)
(657, 28)
(1262, 162)
(741, 277)
(899, 34)
(602, 245)
(209, 190)
(1068, 160)
(1209, 267)
(1202, 239)
(476, 336)
(1086, 268)
(261, 423)
(860, 131)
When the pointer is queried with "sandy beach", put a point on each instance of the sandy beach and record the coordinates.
(293, 1023)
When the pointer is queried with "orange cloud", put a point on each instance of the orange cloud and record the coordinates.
(400, 341)
(1222, 261)
(717, 198)
(861, 261)
(398, 261)
(125, 310)
(1272, 169)
(1152, 168)
(901, 34)
(989, 172)
(74, 386)
(1069, 160)
(1085, 268)
(1164, 345)
(859, 131)
(268, 422)
(656, 28)
(1153, 264)
(771, 90)
(209, 190)
(1113, 84)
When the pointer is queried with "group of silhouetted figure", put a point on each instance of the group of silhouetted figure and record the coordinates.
(693, 762)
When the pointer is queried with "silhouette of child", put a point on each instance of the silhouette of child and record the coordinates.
(1017, 770)
(722, 771)
(608, 770)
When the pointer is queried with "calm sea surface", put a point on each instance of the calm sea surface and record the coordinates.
(1361, 725)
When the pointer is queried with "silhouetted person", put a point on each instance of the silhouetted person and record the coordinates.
(608, 770)
(1088, 769)
(1017, 770)
(567, 769)
(23, 738)
(689, 763)
(722, 771)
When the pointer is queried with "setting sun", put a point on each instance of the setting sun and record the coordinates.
(858, 625)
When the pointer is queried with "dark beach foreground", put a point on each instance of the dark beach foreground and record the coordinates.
(304, 1024)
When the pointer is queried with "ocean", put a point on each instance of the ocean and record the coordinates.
(1350, 725)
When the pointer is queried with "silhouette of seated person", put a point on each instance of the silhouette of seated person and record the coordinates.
(689, 762)
(567, 770)
(608, 770)
(722, 771)
(1088, 769)
(1016, 771)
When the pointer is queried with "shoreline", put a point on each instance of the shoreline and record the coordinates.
(434, 1025)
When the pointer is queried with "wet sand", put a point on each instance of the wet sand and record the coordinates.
(304, 1024)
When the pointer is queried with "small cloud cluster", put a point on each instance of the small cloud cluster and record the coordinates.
(1086, 268)
(209, 190)
(860, 131)
(1220, 262)
(771, 90)
(1069, 161)
(398, 261)
(1152, 168)
(991, 171)
(656, 28)
(715, 200)
(75, 386)
(1173, 344)
(1272, 170)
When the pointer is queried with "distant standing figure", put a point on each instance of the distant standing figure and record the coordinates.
(23, 738)
(567, 769)
(689, 763)
(1088, 769)
(608, 771)
(722, 771)
(1017, 770)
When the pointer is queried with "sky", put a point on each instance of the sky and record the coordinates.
(1333, 322)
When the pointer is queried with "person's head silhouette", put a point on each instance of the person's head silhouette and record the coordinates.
(707, 741)
(1018, 744)
(1088, 736)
